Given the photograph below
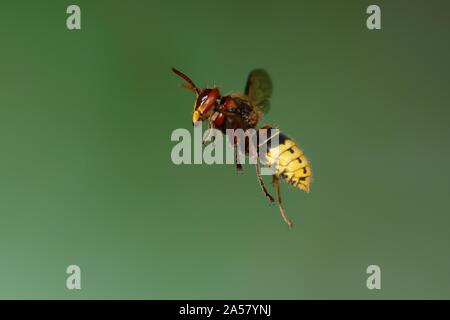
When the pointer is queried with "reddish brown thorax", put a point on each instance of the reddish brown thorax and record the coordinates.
(228, 105)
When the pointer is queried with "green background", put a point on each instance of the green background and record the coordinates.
(86, 176)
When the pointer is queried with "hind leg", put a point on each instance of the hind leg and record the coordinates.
(261, 183)
(276, 183)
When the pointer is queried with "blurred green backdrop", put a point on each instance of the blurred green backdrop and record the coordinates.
(86, 176)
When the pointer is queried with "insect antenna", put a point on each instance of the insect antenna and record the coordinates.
(190, 85)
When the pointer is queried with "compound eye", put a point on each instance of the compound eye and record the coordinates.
(198, 102)
(203, 96)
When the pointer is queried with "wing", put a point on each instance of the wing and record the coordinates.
(259, 89)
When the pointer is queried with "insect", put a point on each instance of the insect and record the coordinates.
(244, 111)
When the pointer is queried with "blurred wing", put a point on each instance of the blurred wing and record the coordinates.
(259, 89)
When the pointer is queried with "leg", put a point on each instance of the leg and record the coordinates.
(210, 126)
(261, 183)
(236, 157)
(276, 183)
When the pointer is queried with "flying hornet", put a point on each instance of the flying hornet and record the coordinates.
(244, 111)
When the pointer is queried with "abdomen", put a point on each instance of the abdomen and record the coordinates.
(290, 162)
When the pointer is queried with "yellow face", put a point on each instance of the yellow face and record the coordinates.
(195, 114)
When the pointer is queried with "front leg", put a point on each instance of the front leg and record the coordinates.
(210, 126)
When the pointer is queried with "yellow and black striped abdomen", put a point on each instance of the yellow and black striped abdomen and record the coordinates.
(290, 162)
